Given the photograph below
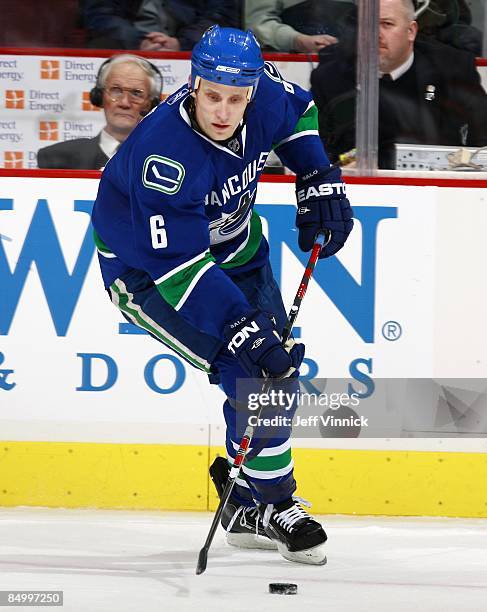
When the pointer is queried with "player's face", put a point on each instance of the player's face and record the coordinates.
(219, 108)
(396, 35)
(126, 94)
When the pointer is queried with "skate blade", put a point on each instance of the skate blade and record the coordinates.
(311, 556)
(250, 540)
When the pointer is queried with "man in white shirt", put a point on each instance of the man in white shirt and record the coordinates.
(429, 93)
(397, 34)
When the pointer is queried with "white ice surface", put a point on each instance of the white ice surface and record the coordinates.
(145, 561)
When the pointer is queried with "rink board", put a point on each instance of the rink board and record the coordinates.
(92, 414)
(175, 477)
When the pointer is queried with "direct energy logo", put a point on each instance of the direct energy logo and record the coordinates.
(13, 159)
(9, 71)
(86, 105)
(77, 129)
(45, 101)
(15, 98)
(76, 70)
(48, 130)
(9, 132)
(50, 69)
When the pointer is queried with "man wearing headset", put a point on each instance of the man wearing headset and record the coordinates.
(127, 88)
(183, 255)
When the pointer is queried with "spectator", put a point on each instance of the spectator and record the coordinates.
(450, 22)
(155, 25)
(297, 25)
(127, 87)
(429, 93)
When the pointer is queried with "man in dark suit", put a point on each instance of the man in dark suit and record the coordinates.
(429, 93)
(77, 154)
(127, 87)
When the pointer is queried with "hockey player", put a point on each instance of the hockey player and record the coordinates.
(182, 253)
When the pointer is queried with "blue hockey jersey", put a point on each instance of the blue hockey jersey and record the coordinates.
(178, 205)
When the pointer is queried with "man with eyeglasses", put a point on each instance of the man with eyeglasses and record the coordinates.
(127, 87)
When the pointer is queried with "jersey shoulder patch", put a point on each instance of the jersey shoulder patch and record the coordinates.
(273, 85)
(163, 174)
(272, 72)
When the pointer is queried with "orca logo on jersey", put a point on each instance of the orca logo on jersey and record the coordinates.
(229, 225)
(162, 174)
(235, 214)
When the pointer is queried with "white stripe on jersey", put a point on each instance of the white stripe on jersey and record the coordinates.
(297, 135)
(192, 284)
(177, 269)
(154, 327)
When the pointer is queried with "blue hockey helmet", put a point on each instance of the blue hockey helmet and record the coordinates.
(228, 56)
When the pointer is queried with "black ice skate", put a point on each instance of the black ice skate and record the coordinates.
(243, 525)
(298, 536)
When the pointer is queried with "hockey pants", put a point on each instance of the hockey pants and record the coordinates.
(268, 469)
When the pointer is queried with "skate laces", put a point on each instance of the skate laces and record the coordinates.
(287, 518)
(243, 512)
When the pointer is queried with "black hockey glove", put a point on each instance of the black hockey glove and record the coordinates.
(254, 341)
(323, 205)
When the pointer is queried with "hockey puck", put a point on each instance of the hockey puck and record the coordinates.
(283, 588)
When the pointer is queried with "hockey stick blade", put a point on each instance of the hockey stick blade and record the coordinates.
(202, 561)
(320, 240)
(232, 477)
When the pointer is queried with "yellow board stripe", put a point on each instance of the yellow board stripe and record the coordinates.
(175, 477)
(398, 483)
(74, 475)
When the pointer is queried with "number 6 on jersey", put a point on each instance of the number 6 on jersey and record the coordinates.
(158, 233)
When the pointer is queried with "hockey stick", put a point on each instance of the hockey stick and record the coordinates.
(249, 431)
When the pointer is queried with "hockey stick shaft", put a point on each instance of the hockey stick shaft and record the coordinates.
(293, 313)
(249, 431)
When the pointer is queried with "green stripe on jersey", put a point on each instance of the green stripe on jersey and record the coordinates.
(308, 121)
(270, 463)
(173, 288)
(100, 245)
(250, 249)
(123, 299)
